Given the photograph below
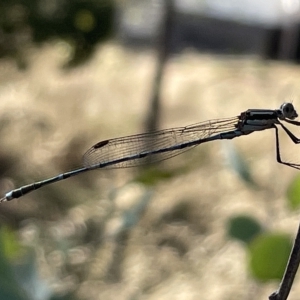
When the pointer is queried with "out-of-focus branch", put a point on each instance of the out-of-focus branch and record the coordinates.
(163, 48)
(290, 272)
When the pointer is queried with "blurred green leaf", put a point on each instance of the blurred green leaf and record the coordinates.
(151, 175)
(32, 22)
(10, 245)
(84, 20)
(268, 256)
(243, 228)
(19, 277)
(293, 193)
(9, 287)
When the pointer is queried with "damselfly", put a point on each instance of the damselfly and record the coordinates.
(140, 149)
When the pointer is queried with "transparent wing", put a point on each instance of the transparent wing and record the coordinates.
(130, 147)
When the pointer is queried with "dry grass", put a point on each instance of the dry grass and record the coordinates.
(111, 238)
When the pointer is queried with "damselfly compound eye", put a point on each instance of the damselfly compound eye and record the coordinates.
(288, 111)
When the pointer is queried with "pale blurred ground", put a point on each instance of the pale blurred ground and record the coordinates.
(173, 246)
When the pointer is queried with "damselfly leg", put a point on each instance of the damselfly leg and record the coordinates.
(292, 137)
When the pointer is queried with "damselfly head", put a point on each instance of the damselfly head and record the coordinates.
(288, 111)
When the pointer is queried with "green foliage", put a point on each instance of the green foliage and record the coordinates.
(19, 278)
(293, 193)
(9, 244)
(268, 253)
(82, 24)
(243, 228)
(153, 175)
(268, 256)
(9, 287)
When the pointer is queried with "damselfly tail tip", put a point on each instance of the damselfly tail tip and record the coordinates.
(4, 199)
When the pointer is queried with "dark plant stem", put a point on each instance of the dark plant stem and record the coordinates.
(290, 272)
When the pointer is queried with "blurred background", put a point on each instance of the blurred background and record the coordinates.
(216, 222)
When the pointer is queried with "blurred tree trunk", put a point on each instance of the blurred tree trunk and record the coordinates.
(163, 49)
